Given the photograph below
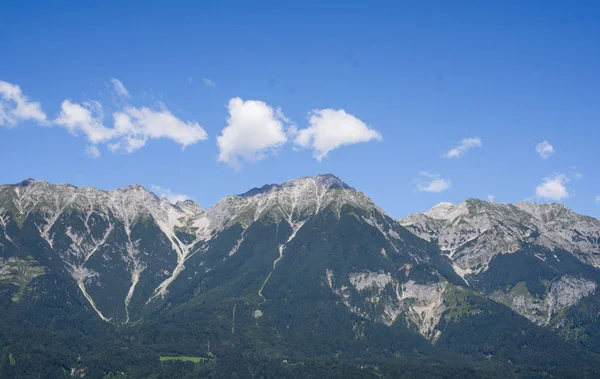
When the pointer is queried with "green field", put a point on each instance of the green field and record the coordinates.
(187, 359)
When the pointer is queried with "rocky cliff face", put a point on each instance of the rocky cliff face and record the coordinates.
(539, 259)
(472, 233)
(132, 255)
(114, 242)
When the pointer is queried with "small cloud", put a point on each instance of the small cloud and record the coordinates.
(120, 88)
(575, 173)
(208, 83)
(463, 146)
(491, 197)
(16, 107)
(330, 129)
(136, 126)
(165, 193)
(254, 130)
(544, 149)
(431, 182)
(86, 119)
(92, 151)
(132, 128)
(598, 199)
(553, 188)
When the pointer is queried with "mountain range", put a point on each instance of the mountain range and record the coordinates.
(292, 279)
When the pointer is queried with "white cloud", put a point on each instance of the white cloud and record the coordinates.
(165, 193)
(120, 88)
(133, 127)
(92, 151)
(463, 146)
(127, 144)
(544, 149)
(491, 197)
(431, 182)
(208, 83)
(84, 119)
(253, 131)
(553, 188)
(575, 173)
(330, 129)
(136, 125)
(15, 106)
(598, 199)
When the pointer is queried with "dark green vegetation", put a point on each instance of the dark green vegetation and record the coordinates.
(310, 319)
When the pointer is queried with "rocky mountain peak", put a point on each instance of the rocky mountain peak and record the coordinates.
(190, 207)
(26, 182)
(133, 188)
(475, 231)
(321, 182)
(545, 212)
(446, 211)
(295, 199)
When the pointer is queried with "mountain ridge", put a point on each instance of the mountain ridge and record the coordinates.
(327, 180)
(558, 226)
(122, 208)
(298, 265)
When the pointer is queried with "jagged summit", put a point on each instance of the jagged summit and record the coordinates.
(132, 187)
(189, 206)
(322, 181)
(185, 226)
(451, 211)
(34, 182)
(292, 200)
(475, 231)
(54, 186)
(26, 182)
(442, 211)
(544, 211)
(31, 193)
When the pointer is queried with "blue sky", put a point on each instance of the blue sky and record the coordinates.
(413, 79)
